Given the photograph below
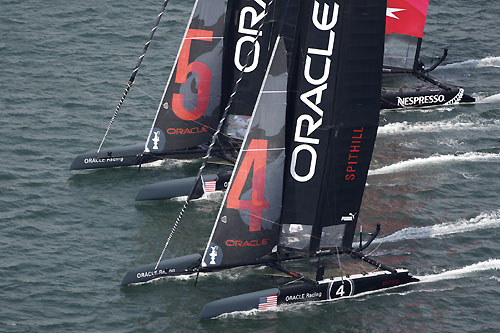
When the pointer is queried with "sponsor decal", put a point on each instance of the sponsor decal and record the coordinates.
(184, 131)
(324, 23)
(390, 283)
(419, 100)
(213, 254)
(303, 297)
(248, 25)
(352, 158)
(348, 218)
(268, 302)
(156, 141)
(247, 243)
(94, 160)
(156, 273)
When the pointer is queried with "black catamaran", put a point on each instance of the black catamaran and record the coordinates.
(211, 57)
(406, 82)
(296, 189)
(190, 106)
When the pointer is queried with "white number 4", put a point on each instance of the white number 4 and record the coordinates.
(340, 292)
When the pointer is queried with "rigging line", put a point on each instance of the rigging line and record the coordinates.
(145, 93)
(340, 266)
(134, 73)
(215, 135)
(375, 249)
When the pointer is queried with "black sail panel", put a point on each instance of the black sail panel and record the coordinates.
(243, 20)
(334, 123)
(248, 223)
(190, 106)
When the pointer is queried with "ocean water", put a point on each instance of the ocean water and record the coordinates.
(67, 238)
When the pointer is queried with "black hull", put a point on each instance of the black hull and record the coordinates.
(427, 91)
(132, 155)
(167, 268)
(113, 157)
(181, 187)
(325, 290)
(424, 97)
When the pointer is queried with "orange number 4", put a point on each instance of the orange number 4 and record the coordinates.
(256, 155)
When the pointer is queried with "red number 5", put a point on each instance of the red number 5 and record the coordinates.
(204, 77)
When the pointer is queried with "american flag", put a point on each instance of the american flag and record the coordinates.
(209, 186)
(268, 302)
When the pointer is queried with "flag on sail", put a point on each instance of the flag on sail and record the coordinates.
(268, 302)
(406, 17)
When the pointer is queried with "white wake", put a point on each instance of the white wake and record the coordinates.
(482, 221)
(433, 160)
(474, 63)
(434, 126)
(490, 99)
(488, 265)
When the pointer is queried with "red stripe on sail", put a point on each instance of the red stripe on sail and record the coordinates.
(406, 17)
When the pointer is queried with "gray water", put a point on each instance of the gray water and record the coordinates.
(67, 238)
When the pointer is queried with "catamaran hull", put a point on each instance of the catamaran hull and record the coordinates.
(167, 268)
(182, 187)
(325, 290)
(424, 97)
(134, 155)
(113, 157)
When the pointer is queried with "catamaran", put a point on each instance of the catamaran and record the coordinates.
(406, 81)
(210, 59)
(296, 189)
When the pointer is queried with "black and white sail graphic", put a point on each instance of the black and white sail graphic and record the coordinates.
(248, 223)
(332, 129)
(190, 106)
(243, 20)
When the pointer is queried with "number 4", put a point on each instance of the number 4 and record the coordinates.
(255, 155)
(340, 292)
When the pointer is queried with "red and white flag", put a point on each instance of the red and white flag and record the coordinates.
(268, 302)
(209, 186)
(406, 17)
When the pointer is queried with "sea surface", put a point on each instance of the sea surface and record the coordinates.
(67, 238)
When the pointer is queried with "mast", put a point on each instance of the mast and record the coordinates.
(331, 127)
(404, 31)
(190, 104)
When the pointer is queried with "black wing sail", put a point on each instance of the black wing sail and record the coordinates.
(336, 96)
(190, 105)
(243, 20)
(248, 223)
